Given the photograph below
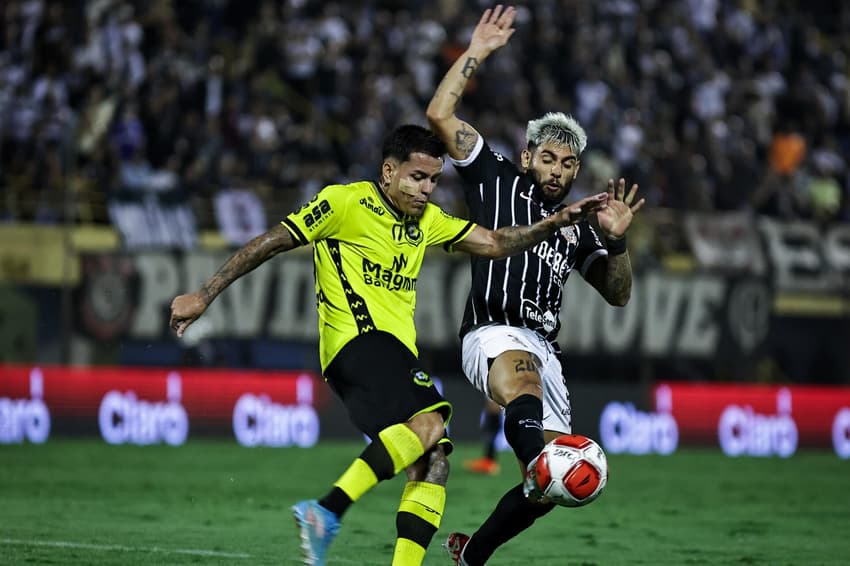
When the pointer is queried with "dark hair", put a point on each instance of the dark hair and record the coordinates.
(407, 139)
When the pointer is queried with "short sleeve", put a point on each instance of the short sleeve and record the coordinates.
(445, 229)
(589, 248)
(320, 218)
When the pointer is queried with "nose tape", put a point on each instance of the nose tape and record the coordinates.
(408, 187)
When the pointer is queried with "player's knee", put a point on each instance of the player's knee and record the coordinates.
(507, 390)
(429, 427)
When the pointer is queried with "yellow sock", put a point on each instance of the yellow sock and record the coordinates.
(419, 516)
(402, 444)
(357, 480)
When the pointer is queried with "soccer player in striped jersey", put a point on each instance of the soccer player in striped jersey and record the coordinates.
(511, 322)
(369, 240)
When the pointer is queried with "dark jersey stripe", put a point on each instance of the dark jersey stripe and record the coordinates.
(356, 304)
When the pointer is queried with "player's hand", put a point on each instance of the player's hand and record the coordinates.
(493, 30)
(186, 309)
(580, 210)
(616, 218)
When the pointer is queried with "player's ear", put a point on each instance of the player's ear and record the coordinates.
(578, 166)
(387, 171)
(525, 158)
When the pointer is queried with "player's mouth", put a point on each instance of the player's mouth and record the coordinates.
(552, 187)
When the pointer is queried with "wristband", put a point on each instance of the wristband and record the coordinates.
(616, 247)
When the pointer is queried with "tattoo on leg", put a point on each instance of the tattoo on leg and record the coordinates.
(525, 364)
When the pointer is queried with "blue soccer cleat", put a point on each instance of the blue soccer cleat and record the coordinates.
(317, 527)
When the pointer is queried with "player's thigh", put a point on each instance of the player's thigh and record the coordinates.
(514, 373)
(486, 346)
(380, 390)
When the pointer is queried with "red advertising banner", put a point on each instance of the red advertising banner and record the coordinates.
(758, 420)
(153, 405)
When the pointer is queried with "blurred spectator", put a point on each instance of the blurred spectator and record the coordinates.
(709, 105)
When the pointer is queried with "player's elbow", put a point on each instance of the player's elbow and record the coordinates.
(437, 116)
(619, 299)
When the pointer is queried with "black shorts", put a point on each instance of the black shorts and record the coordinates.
(381, 383)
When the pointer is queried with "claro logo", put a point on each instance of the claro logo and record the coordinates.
(258, 421)
(25, 419)
(625, 430)
(743, 432)
(125, 419)
(841, 433)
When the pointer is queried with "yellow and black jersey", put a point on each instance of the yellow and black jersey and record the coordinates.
(367, 256)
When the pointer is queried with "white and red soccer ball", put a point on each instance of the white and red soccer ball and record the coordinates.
(571, 471)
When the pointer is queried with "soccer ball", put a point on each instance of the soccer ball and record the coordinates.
(571, 471)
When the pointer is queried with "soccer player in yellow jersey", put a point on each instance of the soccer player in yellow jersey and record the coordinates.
(369, 240)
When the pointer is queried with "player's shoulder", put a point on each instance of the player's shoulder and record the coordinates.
(434, 212)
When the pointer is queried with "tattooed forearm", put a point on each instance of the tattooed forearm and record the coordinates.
(514, 239)
(618, 280)
(246, 259)
(469, 67)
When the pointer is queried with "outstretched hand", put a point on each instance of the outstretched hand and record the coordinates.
(186, 309)
(494, 29)
(616, 218)
(580, 210)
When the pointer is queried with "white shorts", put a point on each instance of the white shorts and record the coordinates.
(488, 342)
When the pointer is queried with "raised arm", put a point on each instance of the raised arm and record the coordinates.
(612, 278)
(493, 31)
(511, 240)
(186, 309)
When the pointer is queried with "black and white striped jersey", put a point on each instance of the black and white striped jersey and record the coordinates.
(525, 289)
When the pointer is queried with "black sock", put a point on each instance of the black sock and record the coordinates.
(513, 514)
(491, 431)
(524, 427)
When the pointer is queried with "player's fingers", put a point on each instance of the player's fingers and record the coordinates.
(497, 12)
(485, 17)
(507, 17)
(631, 196)
(610, 188)
(638, 206)
(621, 189)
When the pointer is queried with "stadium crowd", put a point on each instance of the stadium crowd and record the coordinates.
(707, 104)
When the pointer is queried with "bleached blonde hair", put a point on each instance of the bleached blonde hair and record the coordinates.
(557, 128)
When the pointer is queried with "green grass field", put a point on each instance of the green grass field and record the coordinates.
(209, 502)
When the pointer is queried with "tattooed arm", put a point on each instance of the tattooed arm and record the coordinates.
(493, 31)
(511, 240)
(186, 309)
(612, 277)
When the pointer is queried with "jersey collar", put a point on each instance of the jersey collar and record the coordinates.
(534, 193)
(390, 206)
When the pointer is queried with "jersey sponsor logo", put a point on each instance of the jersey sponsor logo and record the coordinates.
(317, 214)
(408, 232)
(531, 311)
(379, 276)
(399, 262)
(369, 203)
(556, 261)
(421, 377)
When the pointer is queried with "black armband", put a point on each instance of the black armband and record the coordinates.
(616, 247)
